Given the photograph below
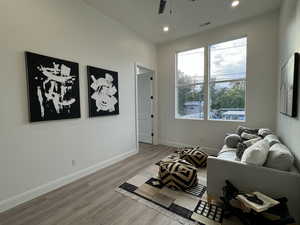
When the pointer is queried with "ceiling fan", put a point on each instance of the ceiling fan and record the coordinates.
(162, 6)
(163, 3)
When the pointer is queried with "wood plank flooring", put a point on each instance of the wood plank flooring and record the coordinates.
(92, 200)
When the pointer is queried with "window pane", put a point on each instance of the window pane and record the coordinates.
(228, 60)
(227, 101)
(190, 102)
(190, 67)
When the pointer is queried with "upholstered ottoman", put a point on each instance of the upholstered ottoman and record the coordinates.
(194, 156)
(178, 174)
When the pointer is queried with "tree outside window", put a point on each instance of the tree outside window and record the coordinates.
(190, 84)
(226, 82)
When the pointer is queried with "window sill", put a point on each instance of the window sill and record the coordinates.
(232, 121)
(211, 120)
(179, 118)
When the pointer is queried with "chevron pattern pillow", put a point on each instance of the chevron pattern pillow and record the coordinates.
(194, 156)
(178, 174)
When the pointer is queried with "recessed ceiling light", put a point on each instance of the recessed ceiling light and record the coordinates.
(235, 3)
(166, 29)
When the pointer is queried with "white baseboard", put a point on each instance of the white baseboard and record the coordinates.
(208, 150)
(38, 191)
(172, 143)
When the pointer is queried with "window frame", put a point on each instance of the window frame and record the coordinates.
(206, 82)
(225, 81)
(203, 84)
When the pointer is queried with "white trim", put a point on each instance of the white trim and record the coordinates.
(207, 80)
(176, 79)
(43, 189)
(233, 121)
(172, 143)
(180, 118)
(233, 80)
(212, 120)
(228, 81)
(136, 107)
(154, 103)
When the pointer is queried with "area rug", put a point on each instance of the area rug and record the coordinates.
(189, 207)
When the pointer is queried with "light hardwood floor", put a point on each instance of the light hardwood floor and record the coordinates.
(92, 200)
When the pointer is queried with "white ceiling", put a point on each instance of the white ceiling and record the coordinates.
(142, 16)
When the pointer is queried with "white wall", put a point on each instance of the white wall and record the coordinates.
(289, 128)
(262, 32)
(38, 154)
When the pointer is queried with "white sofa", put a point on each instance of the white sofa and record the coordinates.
(272, 182)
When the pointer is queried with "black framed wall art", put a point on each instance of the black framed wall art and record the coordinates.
(53, 88)
(103, 92)
(289, 86)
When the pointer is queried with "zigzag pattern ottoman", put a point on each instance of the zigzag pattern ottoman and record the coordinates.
(178, 174)
(194, 156)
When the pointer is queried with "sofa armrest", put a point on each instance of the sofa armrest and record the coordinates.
(249, 178)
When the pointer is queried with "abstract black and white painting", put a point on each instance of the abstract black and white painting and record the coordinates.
(289, 86)
(53, 88)
(103, 92)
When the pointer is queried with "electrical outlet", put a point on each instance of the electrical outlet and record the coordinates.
(73, 162)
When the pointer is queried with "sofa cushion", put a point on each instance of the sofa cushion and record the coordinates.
(227, 153)
(272, 139)
(230, 156)
(232, 140)
(280, 158)
(242, 129)
(256, 154)
(227, 149)
(264, 132)
(241, 147)
(252, 141)
(247, 136)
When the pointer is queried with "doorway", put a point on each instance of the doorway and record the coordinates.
(145, 113)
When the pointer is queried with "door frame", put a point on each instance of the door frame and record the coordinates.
(154, 104)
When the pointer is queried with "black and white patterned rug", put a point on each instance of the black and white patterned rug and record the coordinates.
(188, 207)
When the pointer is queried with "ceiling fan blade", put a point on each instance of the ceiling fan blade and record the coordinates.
(162, 6)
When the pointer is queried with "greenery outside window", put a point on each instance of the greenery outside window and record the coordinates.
(227, 80)
(225, 87)
(190, 84)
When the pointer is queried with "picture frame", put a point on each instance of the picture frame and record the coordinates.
(53, 88)
(103, 92)
(289, 86)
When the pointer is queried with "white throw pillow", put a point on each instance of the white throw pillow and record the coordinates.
(256, 154)
(272, 139)
(248, 136)
(252, 141)
(264, 132)
(280, 158)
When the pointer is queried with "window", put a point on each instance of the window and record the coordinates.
(226, 84)
(190, 84)
(227, 80)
